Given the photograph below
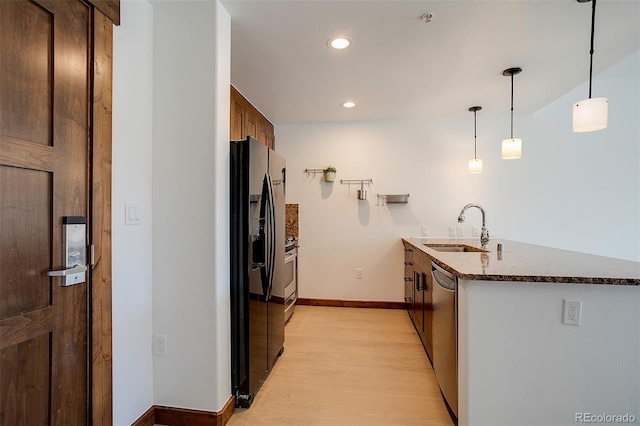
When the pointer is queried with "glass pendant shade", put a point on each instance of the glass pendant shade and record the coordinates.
(475, 165)
(511, 149)
(590, 115)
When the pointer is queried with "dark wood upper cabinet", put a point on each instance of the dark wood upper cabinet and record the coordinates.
(246, 120)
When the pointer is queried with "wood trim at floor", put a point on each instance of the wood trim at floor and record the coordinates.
(225, 414)
(352, 303)
(172, 416)
(147, 419)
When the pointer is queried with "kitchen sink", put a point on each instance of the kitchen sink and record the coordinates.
(456, 248)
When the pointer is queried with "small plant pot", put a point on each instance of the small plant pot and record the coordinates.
(329, 176)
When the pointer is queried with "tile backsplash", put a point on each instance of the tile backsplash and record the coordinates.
(291, 220)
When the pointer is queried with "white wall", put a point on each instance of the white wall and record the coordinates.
(221, 279)
(190, 144)
(519, 365)
(132, 245)
(185, 112)
(573, 191)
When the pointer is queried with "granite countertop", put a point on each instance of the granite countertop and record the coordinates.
(527, 262)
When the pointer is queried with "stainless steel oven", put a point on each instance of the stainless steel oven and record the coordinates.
(291, 281)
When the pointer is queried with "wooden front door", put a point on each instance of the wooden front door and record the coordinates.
(45, 71)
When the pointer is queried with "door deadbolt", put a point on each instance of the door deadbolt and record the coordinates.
(74, 251)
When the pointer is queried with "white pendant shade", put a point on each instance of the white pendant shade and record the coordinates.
(475, 165)
(511, 149)
(590, 115)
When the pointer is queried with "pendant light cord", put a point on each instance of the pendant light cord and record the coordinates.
(511, 72)
(475, 138)
(593, 21)
(511, 105)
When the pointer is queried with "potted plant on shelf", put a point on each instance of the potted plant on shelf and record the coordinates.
(329, 174)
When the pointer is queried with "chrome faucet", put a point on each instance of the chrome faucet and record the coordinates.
(484, 235)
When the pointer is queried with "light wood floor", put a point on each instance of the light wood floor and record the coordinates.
(346, 366)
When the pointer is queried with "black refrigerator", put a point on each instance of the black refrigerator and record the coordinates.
(257, 265)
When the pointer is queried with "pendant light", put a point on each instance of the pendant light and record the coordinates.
(512, 147)
(475, 165)
(590, 114)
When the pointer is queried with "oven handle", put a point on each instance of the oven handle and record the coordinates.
(289, 256)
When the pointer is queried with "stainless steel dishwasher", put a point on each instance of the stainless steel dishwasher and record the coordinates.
(445, 341)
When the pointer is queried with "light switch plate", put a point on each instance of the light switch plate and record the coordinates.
(425, 231)
(132, 214)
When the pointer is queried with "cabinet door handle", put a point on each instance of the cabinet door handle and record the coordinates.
(418, 275)
(408, 263)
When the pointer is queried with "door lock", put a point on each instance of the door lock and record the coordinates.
(74, 251)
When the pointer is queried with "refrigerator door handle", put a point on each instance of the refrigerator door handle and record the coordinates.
(274, 237)
(270, 236)
(264, 265)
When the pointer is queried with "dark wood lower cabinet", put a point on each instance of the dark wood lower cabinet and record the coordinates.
(428, 313)
(418, 302)
(418, 294)
(409, 289)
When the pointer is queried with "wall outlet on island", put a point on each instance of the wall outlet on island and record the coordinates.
(571, 312)
(460, 231)
(424, 231)
(359, 273)
(476, 231)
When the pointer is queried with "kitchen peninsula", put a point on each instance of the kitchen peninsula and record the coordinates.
(517, 362)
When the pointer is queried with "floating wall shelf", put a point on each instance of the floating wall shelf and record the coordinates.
(393, 199)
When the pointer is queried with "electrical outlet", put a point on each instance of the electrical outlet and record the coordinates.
(460, 231)
(452, 231)
(425, 231)
(359, 274)
(160, 345)
(571, 312)
(476, 231)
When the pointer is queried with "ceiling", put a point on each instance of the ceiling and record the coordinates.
(398, 66)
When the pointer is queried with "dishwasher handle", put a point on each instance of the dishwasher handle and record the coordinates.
(443, 278)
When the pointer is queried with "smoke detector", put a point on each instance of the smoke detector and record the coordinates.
(427, 17)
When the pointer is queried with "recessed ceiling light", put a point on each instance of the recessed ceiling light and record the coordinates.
(348, 104)
(339, 42)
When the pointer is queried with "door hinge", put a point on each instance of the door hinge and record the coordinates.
(92, 255)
